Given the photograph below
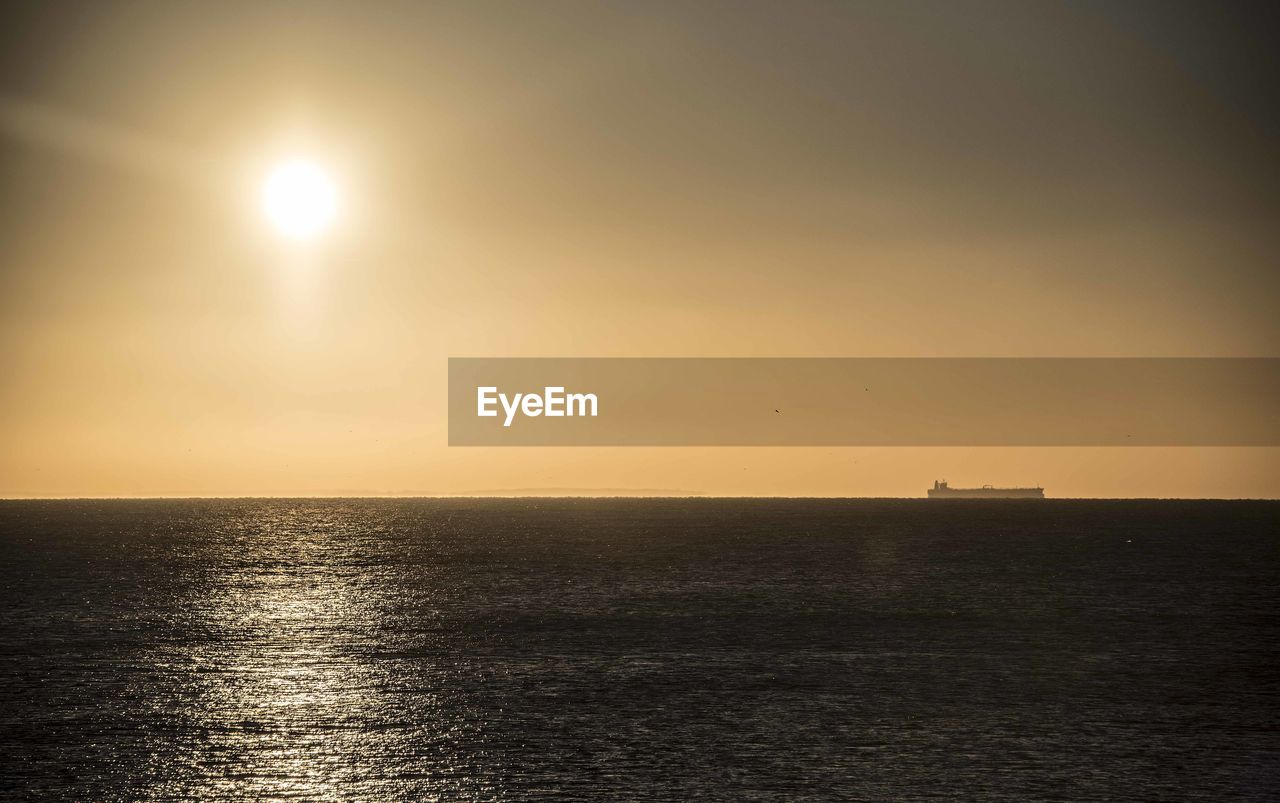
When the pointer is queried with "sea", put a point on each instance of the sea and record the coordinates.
(639, 650)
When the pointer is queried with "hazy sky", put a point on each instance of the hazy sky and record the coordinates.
(557, 179)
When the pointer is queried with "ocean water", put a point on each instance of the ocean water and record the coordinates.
(639, 649)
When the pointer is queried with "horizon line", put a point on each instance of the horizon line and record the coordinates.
(469, 495)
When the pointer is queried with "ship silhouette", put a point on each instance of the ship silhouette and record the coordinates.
(941, 490)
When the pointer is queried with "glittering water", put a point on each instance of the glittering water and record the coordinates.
(639, 649)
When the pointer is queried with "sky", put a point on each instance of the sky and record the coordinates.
(609, 179)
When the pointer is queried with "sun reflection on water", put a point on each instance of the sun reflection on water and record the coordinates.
(295, 694)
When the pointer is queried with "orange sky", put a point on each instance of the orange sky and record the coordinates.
(609, 180)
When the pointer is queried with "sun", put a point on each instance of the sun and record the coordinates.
(300, 199)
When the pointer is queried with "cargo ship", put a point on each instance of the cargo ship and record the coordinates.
(941, 490)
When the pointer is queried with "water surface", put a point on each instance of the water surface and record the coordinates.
(639, 649)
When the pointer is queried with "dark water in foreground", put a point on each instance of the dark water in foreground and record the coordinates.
(639, 649)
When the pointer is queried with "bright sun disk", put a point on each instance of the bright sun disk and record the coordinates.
(299, 199)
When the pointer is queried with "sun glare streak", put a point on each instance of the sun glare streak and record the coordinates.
(82, 137)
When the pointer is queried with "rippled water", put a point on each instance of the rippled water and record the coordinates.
(639, 649)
